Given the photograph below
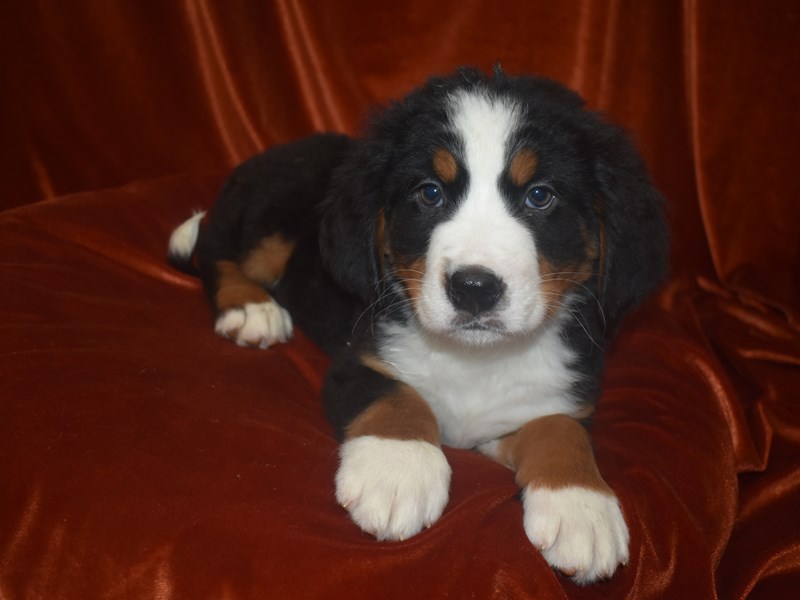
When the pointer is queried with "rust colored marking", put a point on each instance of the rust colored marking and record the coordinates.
(400, 415)
(234, 288)
(445, 165)
(555, 282)
(411, 273)
(266, 262)
(552, 452)
(523, 167)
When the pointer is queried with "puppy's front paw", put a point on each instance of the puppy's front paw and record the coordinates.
(392, 488)
(257, 324)
(580, 532)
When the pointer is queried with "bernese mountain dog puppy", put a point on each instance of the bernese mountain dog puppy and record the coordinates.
(464, 263)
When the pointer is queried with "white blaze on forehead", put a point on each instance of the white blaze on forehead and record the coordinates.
(483, 232)
(485, 125)
(488, 235)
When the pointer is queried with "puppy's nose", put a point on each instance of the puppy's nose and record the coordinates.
(474, 289)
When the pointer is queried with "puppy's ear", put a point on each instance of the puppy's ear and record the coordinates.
(352, 222)
(635, 237)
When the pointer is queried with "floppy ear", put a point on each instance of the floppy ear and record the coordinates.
(352, 220)
(636, 238)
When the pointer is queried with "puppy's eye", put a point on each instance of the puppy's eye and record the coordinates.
(431, 195)
(540, 197)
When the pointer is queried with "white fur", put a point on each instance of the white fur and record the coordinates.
(480, 394)
(259, 324)
(483, 232)
(392, 488)
(184, 237)
(579, 531)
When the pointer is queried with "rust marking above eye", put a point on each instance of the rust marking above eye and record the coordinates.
(445, 165)
(523, 167)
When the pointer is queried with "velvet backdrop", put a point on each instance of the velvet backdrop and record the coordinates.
(141, 456)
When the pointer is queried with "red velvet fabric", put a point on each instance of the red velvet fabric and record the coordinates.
(142, 456)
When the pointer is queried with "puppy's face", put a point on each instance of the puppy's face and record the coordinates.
(490, 205)
(490, 224)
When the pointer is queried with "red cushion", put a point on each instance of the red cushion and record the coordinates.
(143, 453)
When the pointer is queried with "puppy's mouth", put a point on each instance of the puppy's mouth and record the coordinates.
(478, 331)
(467, 323)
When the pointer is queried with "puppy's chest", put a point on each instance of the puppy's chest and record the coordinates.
(481, 395)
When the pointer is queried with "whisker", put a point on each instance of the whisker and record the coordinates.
(554, 277)
(388, 286)
(397, 304)
(576, 315)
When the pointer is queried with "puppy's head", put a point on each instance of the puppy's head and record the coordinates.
(487, 206)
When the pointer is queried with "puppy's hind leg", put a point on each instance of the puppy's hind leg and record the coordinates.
(245, 311)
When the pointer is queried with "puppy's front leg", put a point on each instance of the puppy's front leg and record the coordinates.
(393, 477)
(571, 514)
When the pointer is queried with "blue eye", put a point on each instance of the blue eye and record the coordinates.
(540, 197)
(431, 195)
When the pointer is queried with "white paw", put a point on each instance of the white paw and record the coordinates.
(580, 532)
(392, 488)
(259, 324)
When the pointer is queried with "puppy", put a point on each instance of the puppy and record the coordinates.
(464, 263)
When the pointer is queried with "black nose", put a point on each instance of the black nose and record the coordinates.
(474, 289)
